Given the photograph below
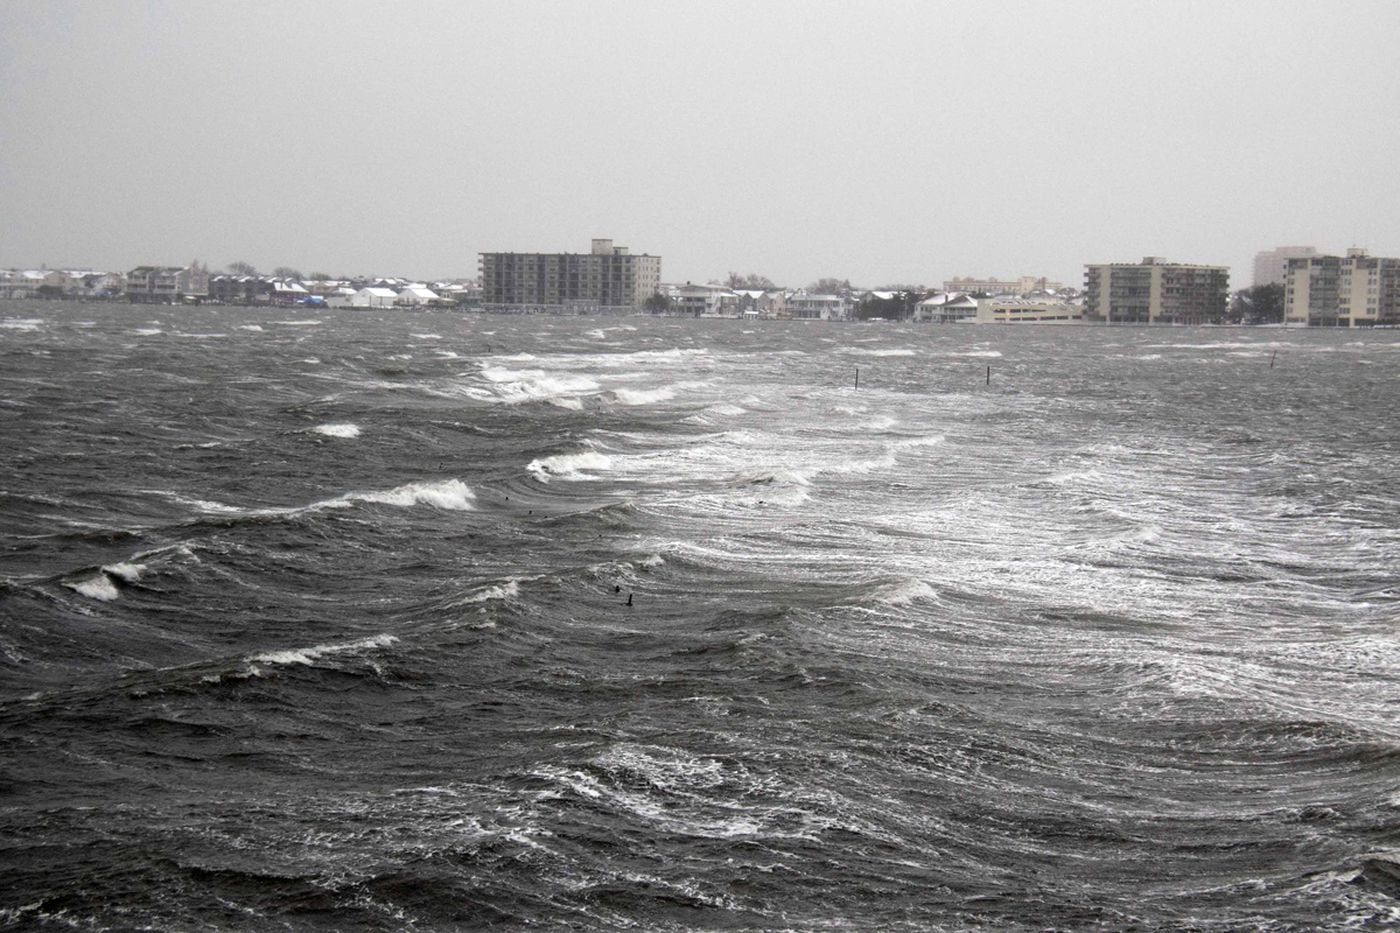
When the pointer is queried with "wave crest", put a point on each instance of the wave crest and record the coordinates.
(569, 466)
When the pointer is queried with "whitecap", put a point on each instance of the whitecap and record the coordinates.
(22, 323)
(338, 430)
(98, 587)
(514, 386)
(981, 354)
(253, 327)
(508, 590)
(774, 477)
(644, 396)
(147, 331)
(569, 466)
(902, 351)
(450, 494)
(426, 336)
(310, 655)
(904, 592)
(125, 571)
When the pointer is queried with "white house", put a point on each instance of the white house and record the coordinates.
(701, 300)
(416, 296)
(374, 297)
(947, 308)
(287, 292)
(340, 297)
(805, 307)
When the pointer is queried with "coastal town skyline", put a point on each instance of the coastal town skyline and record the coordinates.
(900, 143)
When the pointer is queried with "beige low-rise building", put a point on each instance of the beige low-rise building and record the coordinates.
(1017, 286)
(1028, 311)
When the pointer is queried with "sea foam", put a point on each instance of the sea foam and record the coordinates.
(644, 396)
(338, 430)
(515, 386)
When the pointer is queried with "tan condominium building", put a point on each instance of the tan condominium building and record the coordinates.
(1355, 290)
(1155, 291)
(606, 278)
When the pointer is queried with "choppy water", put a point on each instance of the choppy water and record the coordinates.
(321, 622)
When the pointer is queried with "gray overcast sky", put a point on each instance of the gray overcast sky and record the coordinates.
(877, 141)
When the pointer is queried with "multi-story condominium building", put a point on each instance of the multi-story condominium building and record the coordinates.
(1270, 265)
(608, 277)
(1355, 290)
(1155, 291)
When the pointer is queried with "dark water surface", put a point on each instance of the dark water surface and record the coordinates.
(321, 622)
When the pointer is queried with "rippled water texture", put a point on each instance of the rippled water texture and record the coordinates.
(382, 621)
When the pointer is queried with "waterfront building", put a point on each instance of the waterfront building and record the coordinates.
(690, 300)
(1271, 265)
(287, 292)
(416, 296)
(802, 306)
(1355, 290)
(606, 278)
(167, 284)
(1018, 286)
(1027, 311)
(21, 283)
(1155, 291)
(947, 308)
(374, 296)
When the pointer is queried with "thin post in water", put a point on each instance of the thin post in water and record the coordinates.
(1272, 358)
(989, 374)
(857, 377)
